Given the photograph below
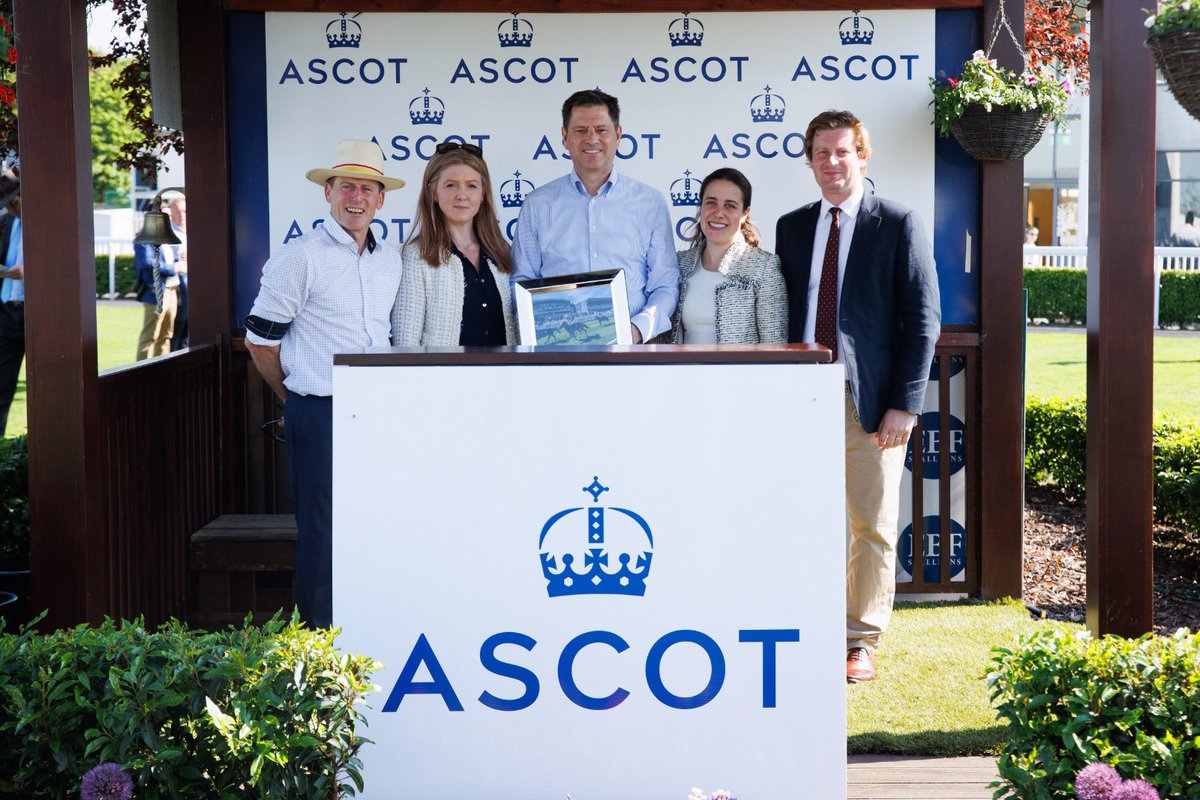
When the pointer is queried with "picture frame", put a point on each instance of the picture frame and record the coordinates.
(585, 308)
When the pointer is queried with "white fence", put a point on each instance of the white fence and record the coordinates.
(1165, 258)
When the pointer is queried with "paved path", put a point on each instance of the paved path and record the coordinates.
(873, 777)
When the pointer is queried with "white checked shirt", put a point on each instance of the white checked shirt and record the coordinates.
(847, 218)
(336, 300)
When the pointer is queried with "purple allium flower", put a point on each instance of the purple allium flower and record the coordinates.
(1097, 782)
(106, 782)
(1135, 790)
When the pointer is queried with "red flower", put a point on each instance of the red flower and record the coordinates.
(953, 82)
(11, 55)
(7, 95)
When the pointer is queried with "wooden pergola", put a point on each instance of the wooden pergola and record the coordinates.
(125, 466)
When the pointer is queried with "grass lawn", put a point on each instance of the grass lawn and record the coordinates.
(1056, 364)
(931, 695)
(117, 328)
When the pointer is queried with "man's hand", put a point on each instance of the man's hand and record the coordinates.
(637, 334)
(894, 428)
(267, 361)
(16, 272)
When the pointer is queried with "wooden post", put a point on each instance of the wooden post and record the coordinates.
(1001, 324)
(70, 568)
(1120, 314)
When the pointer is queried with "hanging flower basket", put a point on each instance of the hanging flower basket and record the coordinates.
(1001, 134)
(1177, 54)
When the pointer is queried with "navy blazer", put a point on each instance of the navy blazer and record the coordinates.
(889, 311)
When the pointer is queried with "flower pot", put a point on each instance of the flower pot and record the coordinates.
(1177, 54)
(1000, 134)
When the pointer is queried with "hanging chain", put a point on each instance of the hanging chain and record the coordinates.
(1002, 20)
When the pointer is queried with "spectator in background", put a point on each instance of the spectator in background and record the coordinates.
(1031, 234)
(159, 326)
(178, 211)
(1188, 235)
(12, 292)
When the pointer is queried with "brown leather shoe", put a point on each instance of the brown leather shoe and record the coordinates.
(860, 665)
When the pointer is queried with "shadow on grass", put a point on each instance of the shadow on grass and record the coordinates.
(970, 742)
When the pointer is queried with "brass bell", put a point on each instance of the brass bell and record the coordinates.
(156, 227)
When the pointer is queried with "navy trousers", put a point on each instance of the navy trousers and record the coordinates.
(308, 431)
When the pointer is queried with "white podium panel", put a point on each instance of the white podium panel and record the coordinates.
(618, 581)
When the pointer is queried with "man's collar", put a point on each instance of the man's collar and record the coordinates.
(849, 206)
(609, 182)
(340, 234)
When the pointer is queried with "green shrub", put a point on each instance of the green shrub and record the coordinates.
(1057, 293)
(1056, 452)
(14, 496)
(126, 274)
(258, 712)
(1179, 298)
(1069, 700)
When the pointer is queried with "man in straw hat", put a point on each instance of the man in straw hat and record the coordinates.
(328, 292)
(12, 292)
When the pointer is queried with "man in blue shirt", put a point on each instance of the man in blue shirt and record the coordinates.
(594, 218)
(12, 293)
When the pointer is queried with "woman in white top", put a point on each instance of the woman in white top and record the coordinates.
(730, 290)
(455, 289)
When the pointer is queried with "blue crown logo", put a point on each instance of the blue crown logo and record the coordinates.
(685, 191)
(512, 192)
(515, 32)
(767, 107)
(344, 32)
(426, 110)
(856, 30)
(685, 31)
(597, 577)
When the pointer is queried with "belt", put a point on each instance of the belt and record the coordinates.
(16, 303)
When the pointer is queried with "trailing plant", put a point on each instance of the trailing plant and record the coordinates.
(268, 712)
(1069, 700)
(1173, 15)
(983, 83)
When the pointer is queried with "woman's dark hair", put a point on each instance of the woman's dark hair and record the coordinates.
(739, 180)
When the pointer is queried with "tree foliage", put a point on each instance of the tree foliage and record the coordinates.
(1056, 38)
(111, 132)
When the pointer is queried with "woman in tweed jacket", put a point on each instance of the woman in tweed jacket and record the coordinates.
(455, 289)
(730, 290)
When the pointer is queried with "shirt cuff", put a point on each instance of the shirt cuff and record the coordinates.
(644, 323)
(253, 337)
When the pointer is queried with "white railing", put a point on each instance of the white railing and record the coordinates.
(113, 246)
(1165, 258)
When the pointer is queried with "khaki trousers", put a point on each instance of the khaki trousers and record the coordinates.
(157, 328)
(872, 511)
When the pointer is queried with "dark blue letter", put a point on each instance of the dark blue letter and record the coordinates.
(567, 680)
(769, 637)
(422, 653)
(487, 657)
(654, 669)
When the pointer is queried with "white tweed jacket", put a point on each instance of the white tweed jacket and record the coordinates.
(751, 301)
(428, 309)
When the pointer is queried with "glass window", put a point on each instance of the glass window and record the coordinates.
(1177, 193)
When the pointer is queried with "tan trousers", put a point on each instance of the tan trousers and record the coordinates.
(872, 511)
(157, 328)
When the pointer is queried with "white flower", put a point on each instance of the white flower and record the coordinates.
(978, 56)
(1150, 21)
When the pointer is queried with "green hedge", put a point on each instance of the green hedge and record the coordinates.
(1056, 451)
(1060, 294)
(265, 712)
(1070, 700)
(126, 274)
(14, 496)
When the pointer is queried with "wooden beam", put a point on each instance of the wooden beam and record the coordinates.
(1002, 326)
(1120, 317)
(592, 6)
(70, 569)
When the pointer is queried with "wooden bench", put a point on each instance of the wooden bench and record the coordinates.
(243, 564)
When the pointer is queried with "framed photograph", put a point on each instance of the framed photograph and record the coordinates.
(584, 308)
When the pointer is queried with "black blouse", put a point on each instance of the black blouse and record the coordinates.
(483, 315)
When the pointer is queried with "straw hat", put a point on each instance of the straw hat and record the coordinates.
(355, 158)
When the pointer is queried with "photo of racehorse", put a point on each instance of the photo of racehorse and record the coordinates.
(579, 315)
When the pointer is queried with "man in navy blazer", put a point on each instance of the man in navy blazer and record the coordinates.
(861, 281)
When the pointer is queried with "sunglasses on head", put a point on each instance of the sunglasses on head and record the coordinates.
(446, 147)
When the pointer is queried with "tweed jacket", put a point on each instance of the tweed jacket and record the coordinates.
(428, 310)
(752, 300)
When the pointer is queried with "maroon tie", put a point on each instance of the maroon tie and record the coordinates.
(827, 292)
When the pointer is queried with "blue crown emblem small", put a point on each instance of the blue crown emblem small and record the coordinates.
(513, 191)
(426, 110)
(856, 30)
(685, 31)
(344, 31)
(515, 32)
(767, 107)
(596, 577)
(685, 191)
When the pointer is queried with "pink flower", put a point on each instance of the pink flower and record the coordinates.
(1066, 84)
(1096, 782)
(953, 82)
(978, 56)
(1030, 79)
(1135, 790)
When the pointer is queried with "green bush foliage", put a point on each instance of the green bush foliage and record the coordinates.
(126, 274)
(1060, 294)
(1069, 700)
(265, 712)
(14, 496)
(1056, 452)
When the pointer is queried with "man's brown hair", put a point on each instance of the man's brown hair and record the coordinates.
(833, 120)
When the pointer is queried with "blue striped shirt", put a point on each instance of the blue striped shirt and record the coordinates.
(13, 289)
(562, 230)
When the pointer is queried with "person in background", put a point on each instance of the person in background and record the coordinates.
(12, 292)
(1188, 234)
(1031, 235)
(730, 290)
(159, 326)
(178, 211)
(455, 289)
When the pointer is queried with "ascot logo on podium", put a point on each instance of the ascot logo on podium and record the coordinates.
(426, 110)
(339, 33)
(853, 32)
(685, 31)
(515, 32)
(767, 107)
(513, 191)
(682, 191)
(596, 579)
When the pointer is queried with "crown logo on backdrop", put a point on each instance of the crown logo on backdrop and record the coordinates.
(685, 191)
(513, 191)
(515, 32)
(344, 32)
(426, 110)
(685, 31)
(856, 30)
(600, 575)
(767, 107)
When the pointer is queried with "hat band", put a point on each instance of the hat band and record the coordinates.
(352, 167)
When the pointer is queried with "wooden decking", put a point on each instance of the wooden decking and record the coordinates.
(919, 778)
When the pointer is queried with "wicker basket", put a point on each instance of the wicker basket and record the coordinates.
(1178, 56)
(1000, 134)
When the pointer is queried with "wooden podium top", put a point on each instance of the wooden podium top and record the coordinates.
(619, 354)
